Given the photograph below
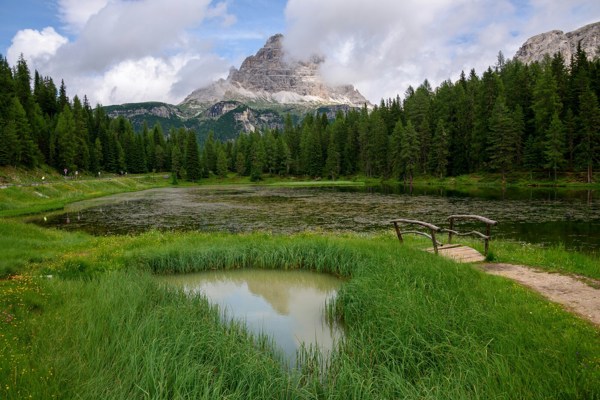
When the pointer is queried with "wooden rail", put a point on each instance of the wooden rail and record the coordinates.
(432, 229)
(488, 227)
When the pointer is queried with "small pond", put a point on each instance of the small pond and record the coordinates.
(547, 216)
(288, 306)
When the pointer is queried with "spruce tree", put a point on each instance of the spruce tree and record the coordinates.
(192, 158)
(502, 138)
(175, 164)
(222, 163)
(439, 150)
(333, 162)
(66, 148)
(396, 142)
(588, 150)
(410, 152)
(28, 151)
(555, 145)
(9, 144)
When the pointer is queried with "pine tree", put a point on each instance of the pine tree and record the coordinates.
(502, 138)
(284, 157)
(175, 164)
(63, 100)
(9, 144)
(81, 135)
(332, 164)
(240, 163)
(28, 151)
(65, 140)
(270, 144)
(257, 157)
(396, 142)
(22, 78)
(7, 87)
(377, 151)
(410, 152)
(96, 159)
(192, 158)
(588, 150)
(440, 151)
(222, 163)
(555, 145)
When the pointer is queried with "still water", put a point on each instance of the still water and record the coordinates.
(542, 216)
(288, 306)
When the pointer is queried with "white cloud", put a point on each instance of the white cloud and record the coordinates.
(36, 46)
(142, 50)
(220, 11)
(384, 46)
(127, 51)
(75, 13)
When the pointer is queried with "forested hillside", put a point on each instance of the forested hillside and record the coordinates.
(514, 117)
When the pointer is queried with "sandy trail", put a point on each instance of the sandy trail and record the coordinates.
(574, 294)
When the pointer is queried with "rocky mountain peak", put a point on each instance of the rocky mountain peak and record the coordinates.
(269, 78)
(536, 47)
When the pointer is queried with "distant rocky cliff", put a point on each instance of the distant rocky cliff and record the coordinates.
(536, 47)
(256, 96)
(269, 78)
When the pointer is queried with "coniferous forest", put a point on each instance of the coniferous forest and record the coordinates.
(542, 117)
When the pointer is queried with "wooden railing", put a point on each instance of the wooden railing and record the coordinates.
(431, 235)
(433, 229)
(488, 227)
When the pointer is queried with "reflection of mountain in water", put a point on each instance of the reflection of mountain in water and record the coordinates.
(279, 288)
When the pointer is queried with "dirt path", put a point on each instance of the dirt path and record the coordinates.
(572, 293)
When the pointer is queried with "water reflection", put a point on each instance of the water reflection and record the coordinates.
(529, 215)
(286, 305)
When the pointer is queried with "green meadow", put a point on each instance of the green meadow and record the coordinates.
(84, 317)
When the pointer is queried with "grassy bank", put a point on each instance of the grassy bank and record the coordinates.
(26, 199)
(418, 326)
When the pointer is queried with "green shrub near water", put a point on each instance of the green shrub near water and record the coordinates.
(418, 326)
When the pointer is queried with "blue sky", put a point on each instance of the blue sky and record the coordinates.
(118, 51)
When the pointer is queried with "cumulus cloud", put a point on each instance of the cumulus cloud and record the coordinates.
(140, 50)
(385, 46)
(37, 46)
(75, 13)
(127, 51)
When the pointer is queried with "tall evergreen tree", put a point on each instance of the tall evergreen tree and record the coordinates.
(588, 150)
(66, 148)
(9, 144)
(333, 162)
(502, 138)
(192, 158)
(222, 163)
(410, 151)
(440, 151)
(555, 145)
(395, 152)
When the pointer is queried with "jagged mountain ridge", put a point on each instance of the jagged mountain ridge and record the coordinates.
(556, 41)
(256, 96)
(269, 78)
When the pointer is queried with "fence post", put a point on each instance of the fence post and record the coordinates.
(398, 231)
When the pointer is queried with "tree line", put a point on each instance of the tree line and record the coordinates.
(39, 125)
(515, 117)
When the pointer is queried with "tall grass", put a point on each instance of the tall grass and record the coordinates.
(418, 326)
